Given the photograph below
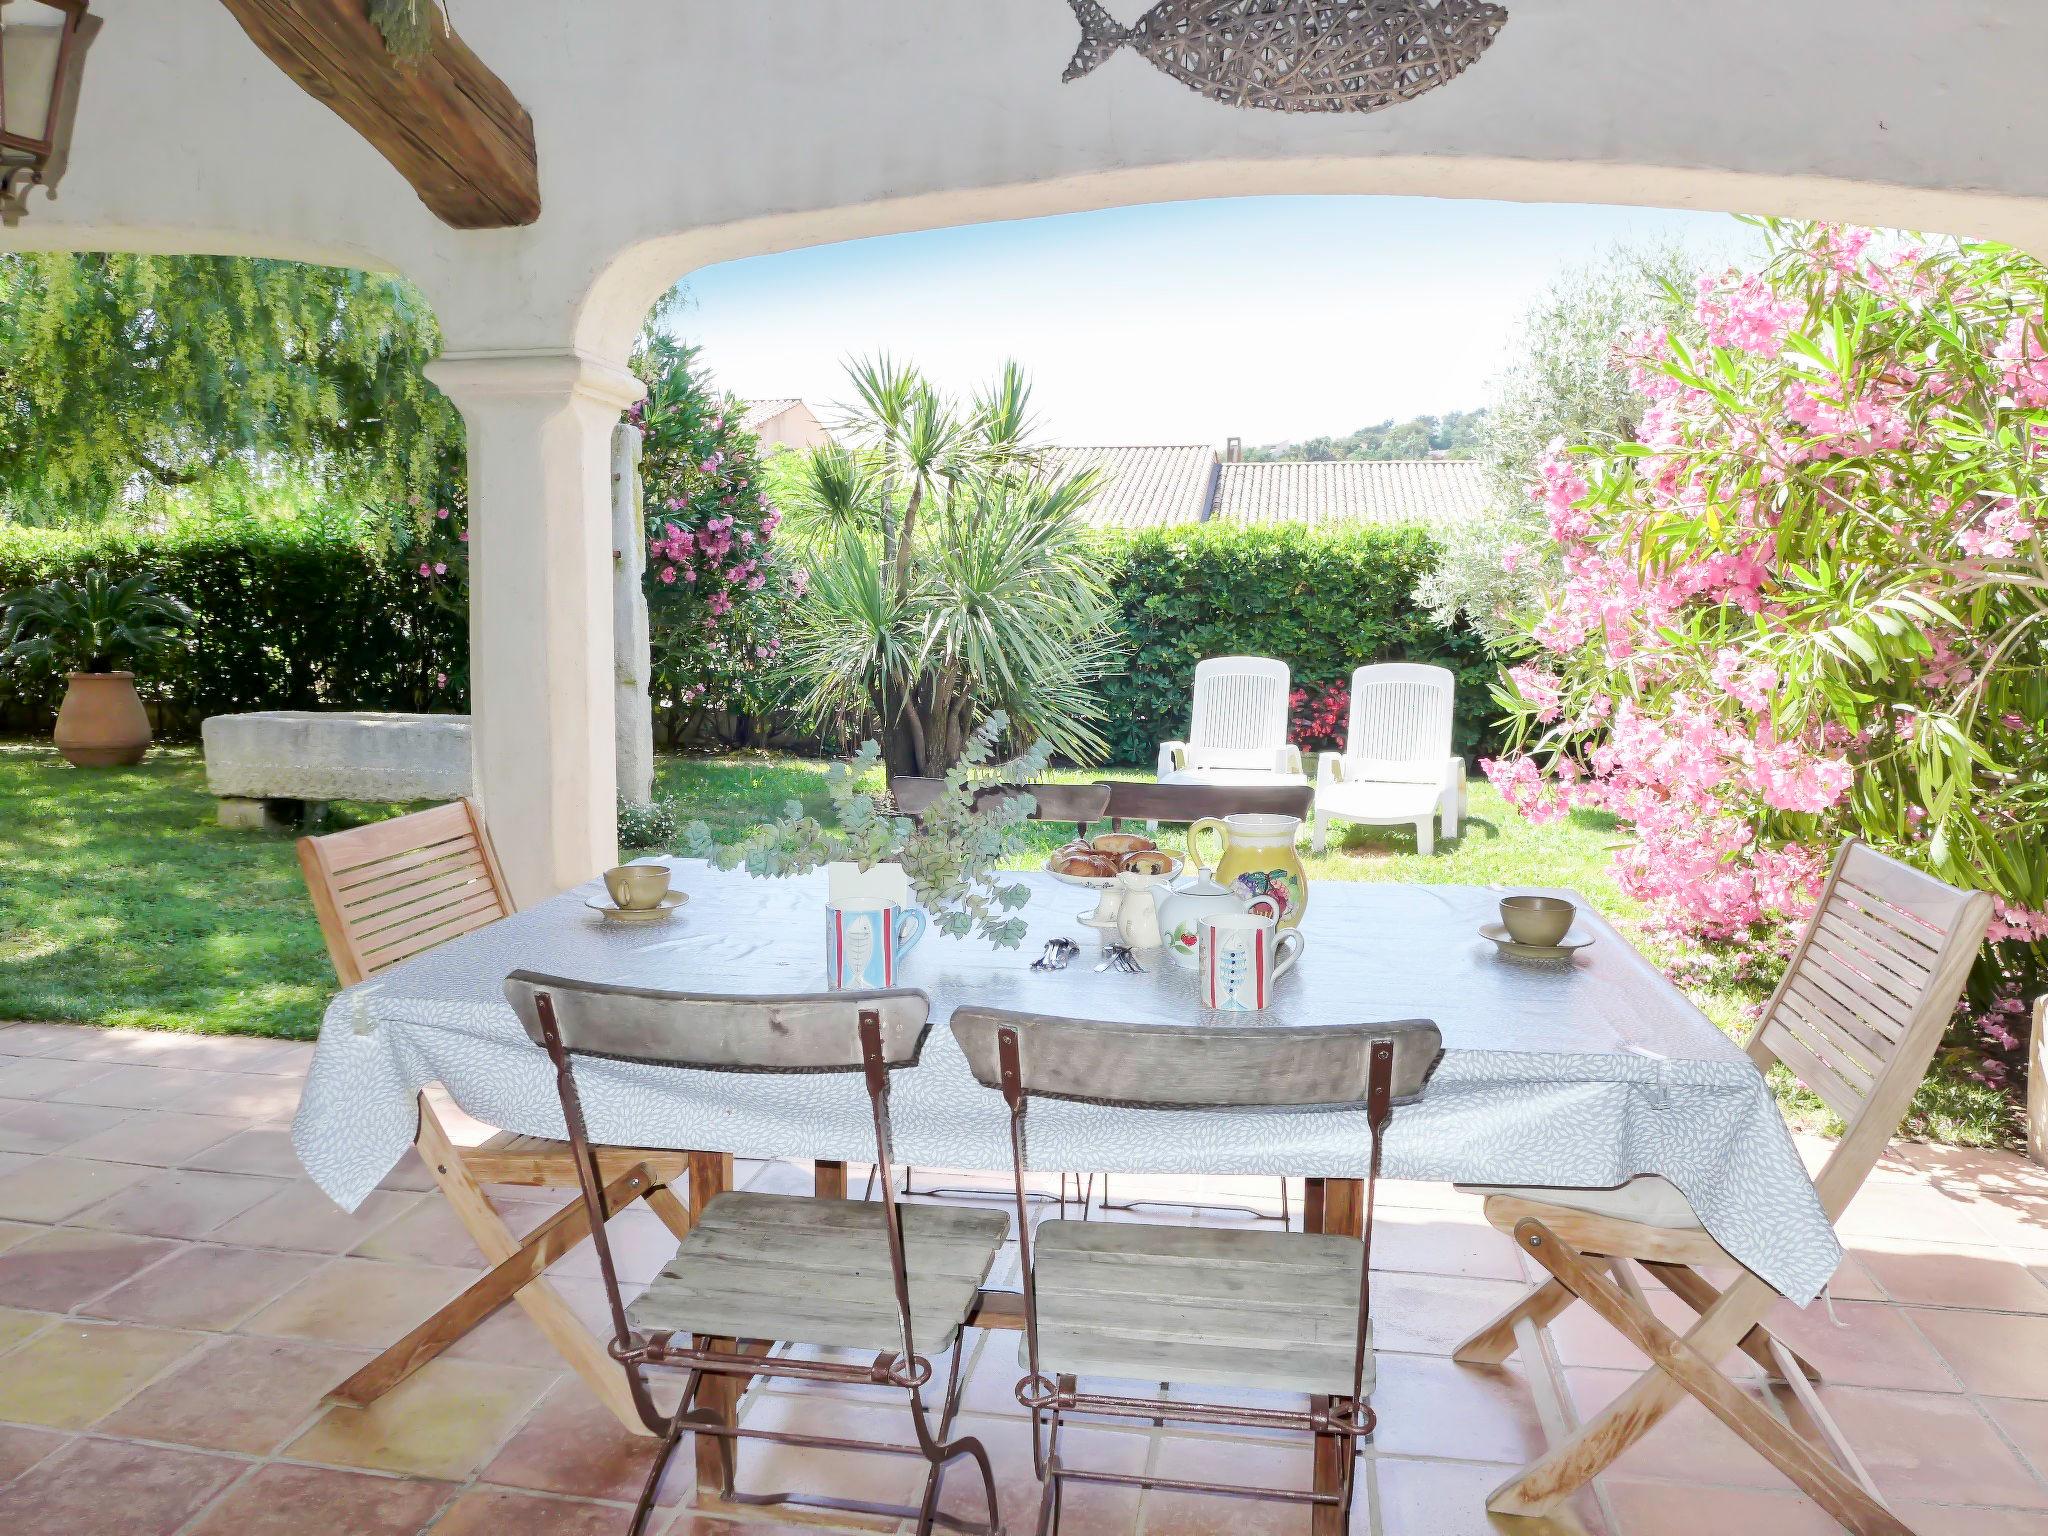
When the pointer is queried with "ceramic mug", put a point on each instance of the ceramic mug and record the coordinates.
(865, 944)
(1238, 957)
(637, 887)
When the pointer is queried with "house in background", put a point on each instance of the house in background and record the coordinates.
(784, 424)
(1162, 487)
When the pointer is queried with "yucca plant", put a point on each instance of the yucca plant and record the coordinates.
(950, 576)
(94, 624)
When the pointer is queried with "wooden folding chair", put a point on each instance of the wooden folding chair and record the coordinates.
(386, 892)
(1856, 1018)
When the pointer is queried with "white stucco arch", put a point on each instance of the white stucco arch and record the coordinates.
(679, 134)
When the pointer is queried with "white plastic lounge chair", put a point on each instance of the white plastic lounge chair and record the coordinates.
(1239, 731)
(1396, 765)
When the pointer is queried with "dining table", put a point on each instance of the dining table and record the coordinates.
(1584, 1071)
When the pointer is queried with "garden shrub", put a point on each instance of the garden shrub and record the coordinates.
(1323, 602)
(286, 617)
(1809, 601)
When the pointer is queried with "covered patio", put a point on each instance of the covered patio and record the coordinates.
(176, 1297)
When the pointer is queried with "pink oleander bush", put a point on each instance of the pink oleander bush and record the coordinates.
(1808, 601)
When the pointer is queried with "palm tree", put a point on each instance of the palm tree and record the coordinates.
(950, 575)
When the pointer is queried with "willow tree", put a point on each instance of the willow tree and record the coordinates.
(120, 374)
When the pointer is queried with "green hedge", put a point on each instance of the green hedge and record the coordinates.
(289, 617)
(295, 617)
(1324, 603)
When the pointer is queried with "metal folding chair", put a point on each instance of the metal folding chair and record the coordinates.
(1273, 1311)
(759, 1270)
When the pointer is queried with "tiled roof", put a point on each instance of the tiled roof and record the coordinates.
(760, 411)
(1182, 483)
(1145, 487)
(1351, 491)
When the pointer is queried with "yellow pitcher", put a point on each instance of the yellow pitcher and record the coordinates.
(1257, 859)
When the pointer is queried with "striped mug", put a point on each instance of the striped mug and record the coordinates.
(1238, 957)
(865, 943)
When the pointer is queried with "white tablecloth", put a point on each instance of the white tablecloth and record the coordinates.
(1584, 1073)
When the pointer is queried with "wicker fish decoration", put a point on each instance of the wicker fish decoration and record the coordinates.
(1298, 55)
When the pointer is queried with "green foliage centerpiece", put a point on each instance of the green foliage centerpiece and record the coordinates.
(949, 852)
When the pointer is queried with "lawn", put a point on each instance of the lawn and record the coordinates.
(121, 901)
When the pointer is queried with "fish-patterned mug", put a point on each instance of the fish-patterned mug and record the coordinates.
(864, 944)
(1238, 957)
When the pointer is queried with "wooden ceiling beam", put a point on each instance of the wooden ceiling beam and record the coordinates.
(446, 123)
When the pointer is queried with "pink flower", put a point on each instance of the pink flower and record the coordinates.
(425, 569)
(440, 679)
(440, 568)
(668, 575)
(442, 513)
(464, 535)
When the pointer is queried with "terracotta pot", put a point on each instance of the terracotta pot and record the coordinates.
(101, 723)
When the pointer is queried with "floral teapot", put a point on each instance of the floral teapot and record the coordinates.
(1181, 908)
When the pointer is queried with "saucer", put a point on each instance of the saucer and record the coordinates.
(1498, 934)
(603, 907)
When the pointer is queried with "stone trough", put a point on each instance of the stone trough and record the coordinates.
(280, 766)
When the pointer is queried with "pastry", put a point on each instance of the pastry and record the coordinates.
(1094, 866)
(1120, 843)
(1147, 861)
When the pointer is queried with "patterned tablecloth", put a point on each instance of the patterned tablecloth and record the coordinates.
(1581, 1073)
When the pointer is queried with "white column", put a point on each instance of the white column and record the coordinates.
(633, 667)
(540, 605)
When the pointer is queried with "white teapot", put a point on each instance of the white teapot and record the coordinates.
(1179, 909)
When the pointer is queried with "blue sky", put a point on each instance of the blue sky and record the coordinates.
(1267, 318)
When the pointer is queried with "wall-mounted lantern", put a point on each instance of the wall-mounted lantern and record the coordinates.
(42, 45)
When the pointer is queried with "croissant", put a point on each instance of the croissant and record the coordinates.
(1147, 861)
(1092, 865)
(1121, 843)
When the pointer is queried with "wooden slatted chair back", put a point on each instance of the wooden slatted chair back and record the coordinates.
(1400, 728)
(387, 891)
(1865, 1000)
(1130, 800)
(1240, 712)
(1196, 1066)
(799, 1032)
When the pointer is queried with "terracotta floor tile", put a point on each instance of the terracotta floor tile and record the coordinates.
(132, 1085)
(178, 1202)
(1930, 1274)
(1667, 1509)
(1912, 1210)
(156, 1137)
(63, 1268)
(42, 1039)
(431, 1233)
(491, 1512)
(1432, 1315)
(765, 1467)
(51, 1189)
(1089, 1509)
(244, 1053)
(284, 1500)
(1924, 1445)
(1967, 1520)
(445, 1421)
(1687, 1445)
(359, 1303)
(96, 1486)
(12, 1232)
(1994, 1353)
(2018, 1219)
(301, 1215)
(75, 1374)
(87, 1042)
(1448, 1498)
(1429, 1406)
(509, 1337)
(573, 1444)
(240, 1394)
(1873, 1346)
(53, 1127)
(410, 1173)
(243, 1094)
(1273, 1463)
(22, 1447)
(2025, 1422)
(640, 1246)
(39, 1078)
(1437, 1245)
(205, 1286)
(18, 1327)
(263, 1149)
